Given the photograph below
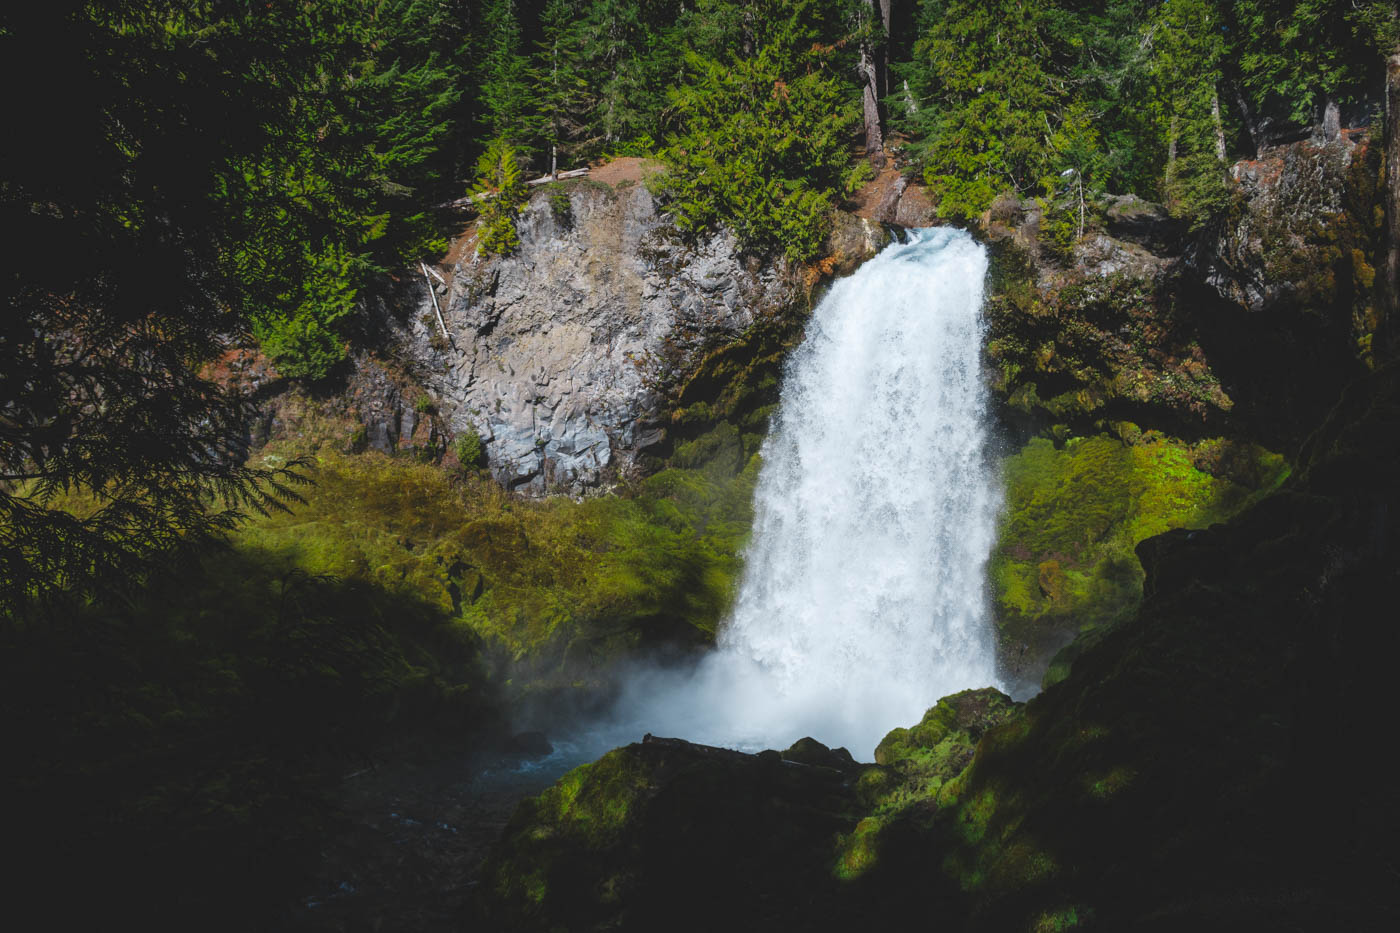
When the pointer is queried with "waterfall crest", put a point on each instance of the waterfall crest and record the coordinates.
(863, 597)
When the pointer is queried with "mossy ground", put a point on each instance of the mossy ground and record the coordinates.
(560, 586)
(1065, 565)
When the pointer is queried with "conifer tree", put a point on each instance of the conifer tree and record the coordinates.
(986, 100)
(560, 89)
(1188, 52)
(499, 192)
(505, 75)
(634, 48)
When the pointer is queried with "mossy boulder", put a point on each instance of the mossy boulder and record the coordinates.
(664, 834)
(941, 745)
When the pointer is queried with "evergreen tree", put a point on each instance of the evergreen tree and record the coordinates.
(633, 48)
(505, 75)
(1188, 54)
(1296, 56)
(560, 89)
(499, 192)
(762, 145)
(116, 453)
(985, 99)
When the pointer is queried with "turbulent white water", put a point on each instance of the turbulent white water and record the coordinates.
(863, 596)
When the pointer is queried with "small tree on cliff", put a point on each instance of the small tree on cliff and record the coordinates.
(500, 191)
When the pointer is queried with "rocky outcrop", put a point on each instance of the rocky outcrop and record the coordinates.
(561, 356)
(668, 835)
(1176, 374)
(1295, 237)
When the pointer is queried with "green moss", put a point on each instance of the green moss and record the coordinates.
(1065, 560)
(915, 766)
(558, 584)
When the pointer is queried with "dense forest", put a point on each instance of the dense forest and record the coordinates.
(186, 177)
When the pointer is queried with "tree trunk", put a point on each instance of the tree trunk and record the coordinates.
(870, 98)
(1248, 118)
(1331, 120)
(1171, 156)
(1219, 125)
(885, 6)
(1390, 293)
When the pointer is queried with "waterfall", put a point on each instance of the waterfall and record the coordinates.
(863, 598)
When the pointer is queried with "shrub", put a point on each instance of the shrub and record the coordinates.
(762, 149)
(500, 191)
(471, 453)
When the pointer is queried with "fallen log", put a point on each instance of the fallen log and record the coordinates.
(471, 199)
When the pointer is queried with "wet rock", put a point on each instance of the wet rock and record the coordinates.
(808, 751)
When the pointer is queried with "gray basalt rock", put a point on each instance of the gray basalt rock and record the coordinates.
(560, 355)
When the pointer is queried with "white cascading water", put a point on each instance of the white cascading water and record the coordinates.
(863, 595)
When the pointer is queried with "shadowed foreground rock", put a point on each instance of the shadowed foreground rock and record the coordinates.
(668, 835)
(665, 834)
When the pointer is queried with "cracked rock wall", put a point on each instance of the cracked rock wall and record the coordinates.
(560, 356)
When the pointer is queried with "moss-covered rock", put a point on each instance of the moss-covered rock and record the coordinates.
(1064, 565)
(664, 834)
(941, 745)
(558, 590)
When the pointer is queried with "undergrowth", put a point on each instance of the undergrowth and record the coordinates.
(556, 583)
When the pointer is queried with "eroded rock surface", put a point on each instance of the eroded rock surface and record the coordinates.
(559, 356)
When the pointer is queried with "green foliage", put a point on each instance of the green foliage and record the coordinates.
(469, 449)
(1168, 90)
(1297, 54)
(761, 146)
(1190, 47)
(341, 185)
(633, 53)
(504, 75)
(560, 87)
(986, 100)
(542, 582)
(119, 293)
(1074, 181)
(560, 204)
(303, 342)
(499, 193)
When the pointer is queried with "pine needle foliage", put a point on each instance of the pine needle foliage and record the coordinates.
(762, 144)
(500, 191)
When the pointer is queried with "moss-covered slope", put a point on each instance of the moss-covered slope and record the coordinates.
(1064, 566)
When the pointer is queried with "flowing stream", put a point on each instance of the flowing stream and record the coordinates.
(863, 599)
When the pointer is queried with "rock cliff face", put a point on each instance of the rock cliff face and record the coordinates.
(1152, 378)
(560, 356)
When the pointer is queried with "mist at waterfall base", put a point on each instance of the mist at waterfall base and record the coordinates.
(863, 597)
